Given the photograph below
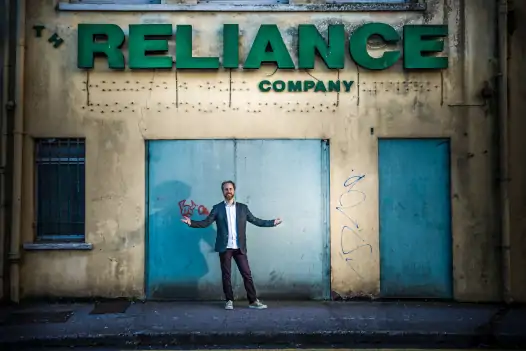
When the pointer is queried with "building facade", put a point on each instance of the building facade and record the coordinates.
(382, 153)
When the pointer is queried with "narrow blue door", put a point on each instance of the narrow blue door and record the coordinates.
(286, 179)
(415, 218)
(184, 178)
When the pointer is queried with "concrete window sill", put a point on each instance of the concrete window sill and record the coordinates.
(58, 246)
(349, 7)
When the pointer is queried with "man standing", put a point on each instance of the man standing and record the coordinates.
(231, 219)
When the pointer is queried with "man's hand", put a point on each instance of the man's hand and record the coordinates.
(186, 220)
(277, 221)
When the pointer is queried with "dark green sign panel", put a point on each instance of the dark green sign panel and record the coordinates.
(420, 42)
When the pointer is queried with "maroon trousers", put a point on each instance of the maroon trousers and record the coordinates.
(242, 264)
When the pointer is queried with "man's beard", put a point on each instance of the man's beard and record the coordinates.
(229, 196)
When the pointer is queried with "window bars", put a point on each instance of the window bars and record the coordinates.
(60, 189)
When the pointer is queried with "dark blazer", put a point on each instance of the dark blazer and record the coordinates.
(243, 214)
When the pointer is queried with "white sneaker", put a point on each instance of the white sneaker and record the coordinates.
(257, 305)
(229, 305)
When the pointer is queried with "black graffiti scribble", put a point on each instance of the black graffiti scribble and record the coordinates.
(349, 185)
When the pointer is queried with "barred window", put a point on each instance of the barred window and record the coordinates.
(60, 189)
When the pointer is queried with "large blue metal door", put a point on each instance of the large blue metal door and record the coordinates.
(286, 179)
(415, 218)
(184, 178)
(275, 178)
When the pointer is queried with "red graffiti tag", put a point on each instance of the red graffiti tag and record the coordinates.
(187, 209)
(203, 210)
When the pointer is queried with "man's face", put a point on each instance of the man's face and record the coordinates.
(228, 191)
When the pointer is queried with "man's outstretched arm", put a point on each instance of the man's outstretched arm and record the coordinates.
(261, 222)
(204, 223)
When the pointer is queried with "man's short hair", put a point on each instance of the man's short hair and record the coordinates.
(228, 182)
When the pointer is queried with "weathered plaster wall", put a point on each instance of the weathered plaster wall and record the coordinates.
(117, 111)
(517, 130)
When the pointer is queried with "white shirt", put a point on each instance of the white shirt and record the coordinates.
(232, 227)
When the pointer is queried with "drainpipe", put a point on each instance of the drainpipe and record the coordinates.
(4, 6)
(3, 99)
(504, 176)
(18, 132)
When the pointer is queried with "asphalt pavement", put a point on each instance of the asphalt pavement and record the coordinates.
(160, 325)
(259, 349)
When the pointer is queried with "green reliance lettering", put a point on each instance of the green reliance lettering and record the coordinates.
(320, 87)
(140, 45)
(89, 45)
(268, 47)
(308, 84)
(347, 85)
(358, 46)
(420, 39)
(279, 86)
(294, 85)
(38, 30)
(56, 40)
(304, 85)
(183, 51)
(264, 86)
(334, 86)
(149, 49)
(310, 41)
(231, 46)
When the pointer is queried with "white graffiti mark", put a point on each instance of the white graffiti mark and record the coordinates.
(353, 197)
